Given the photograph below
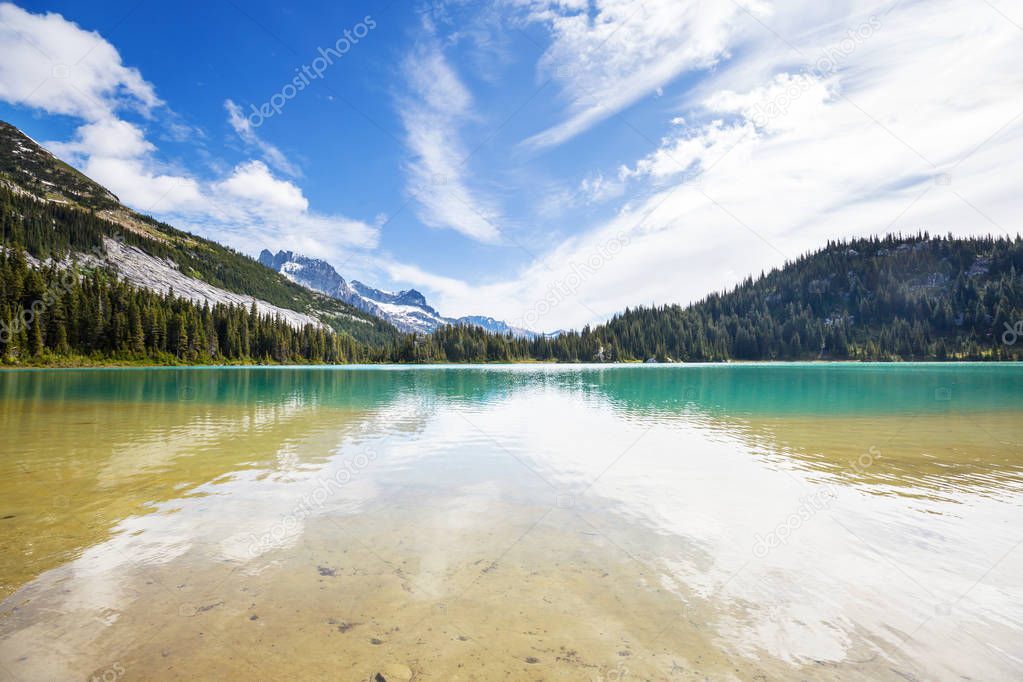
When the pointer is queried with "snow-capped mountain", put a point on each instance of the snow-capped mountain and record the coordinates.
(309, 272)
(407, 310)
(495, 326)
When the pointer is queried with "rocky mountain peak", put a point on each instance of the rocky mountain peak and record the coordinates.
(407, 310)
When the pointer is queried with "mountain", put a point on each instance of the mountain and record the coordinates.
(59, 216)
(495, 326)
(406, 310)
(889, 298)
(27, 167)
(316, 274)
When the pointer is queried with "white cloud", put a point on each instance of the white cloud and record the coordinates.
(271, 154)
(116, 154)
(608, 56)
(49, 63)
(109, 137)
(436, 105)
(692, 150)
(137, 185)
(596, 188)
(898, 137)
(249, 199)
(249, 209)
(253, 181)
(252, 210)
(766, 155)
(450, 286)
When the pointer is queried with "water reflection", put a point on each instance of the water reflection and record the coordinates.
(530, 521)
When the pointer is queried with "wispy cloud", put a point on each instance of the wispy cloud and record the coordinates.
(271, 154)
(596, 188)
(436, 105)
(610, 53)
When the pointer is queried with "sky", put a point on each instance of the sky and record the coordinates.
(545, 162)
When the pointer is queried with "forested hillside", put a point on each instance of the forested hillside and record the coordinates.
(892, 298)
(879, 299)
(75, 317)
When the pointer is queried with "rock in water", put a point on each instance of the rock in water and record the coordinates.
(393, 673)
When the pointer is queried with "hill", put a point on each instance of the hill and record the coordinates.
(61, 219)
(909, 298)
(892, 298)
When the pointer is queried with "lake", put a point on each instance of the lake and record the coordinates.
(760, 521)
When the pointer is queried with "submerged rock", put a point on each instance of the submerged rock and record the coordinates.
(393, 672)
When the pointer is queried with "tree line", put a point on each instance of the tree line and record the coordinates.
(54, 315)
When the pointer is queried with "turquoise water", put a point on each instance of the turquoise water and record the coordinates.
(812, 521)
(812, 388)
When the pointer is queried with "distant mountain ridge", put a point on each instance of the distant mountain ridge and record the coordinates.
(407, 310)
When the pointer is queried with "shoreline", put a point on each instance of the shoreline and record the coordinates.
(632, 363)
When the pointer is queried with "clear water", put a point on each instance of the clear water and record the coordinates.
(819, 521)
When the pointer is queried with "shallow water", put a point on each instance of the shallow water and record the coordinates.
(554, 522)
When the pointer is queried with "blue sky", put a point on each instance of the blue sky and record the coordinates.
(548, 162)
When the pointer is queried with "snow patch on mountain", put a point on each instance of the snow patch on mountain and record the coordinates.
(407, 310)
